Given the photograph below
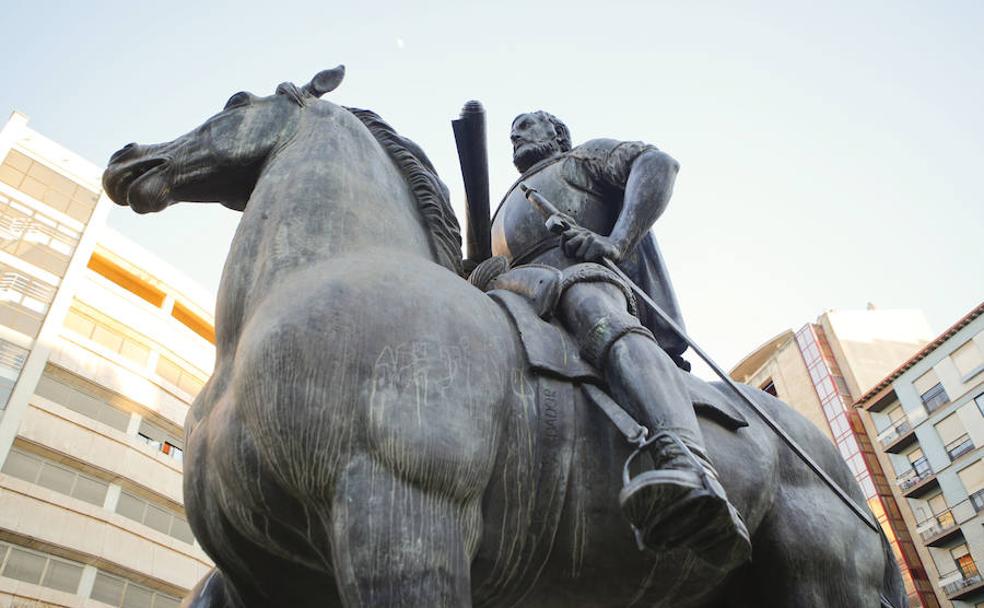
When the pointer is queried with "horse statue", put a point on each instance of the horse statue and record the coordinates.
(374, 435)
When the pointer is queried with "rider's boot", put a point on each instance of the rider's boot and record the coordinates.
(680, 501)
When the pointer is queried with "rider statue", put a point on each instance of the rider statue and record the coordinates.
(614, 191)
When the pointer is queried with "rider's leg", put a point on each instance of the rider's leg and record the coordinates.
(681, 502)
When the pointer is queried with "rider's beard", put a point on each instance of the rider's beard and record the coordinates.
(530, 154)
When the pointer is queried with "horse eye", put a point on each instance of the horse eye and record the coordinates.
(241, 98)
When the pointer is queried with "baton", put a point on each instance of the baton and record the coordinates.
(557, 223)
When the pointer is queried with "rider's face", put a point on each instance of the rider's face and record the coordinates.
(533, 138)
(531, 129)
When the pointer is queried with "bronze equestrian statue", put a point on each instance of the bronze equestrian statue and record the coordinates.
(380, 432)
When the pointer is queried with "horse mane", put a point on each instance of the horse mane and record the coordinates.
(432, 196)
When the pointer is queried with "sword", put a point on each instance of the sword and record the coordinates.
(558, 222)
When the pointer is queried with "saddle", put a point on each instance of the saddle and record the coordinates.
(551, 352)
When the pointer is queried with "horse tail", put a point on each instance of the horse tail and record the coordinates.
(893, 593)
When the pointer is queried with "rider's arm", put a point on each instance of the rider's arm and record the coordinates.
(640, 179)
(647, 192)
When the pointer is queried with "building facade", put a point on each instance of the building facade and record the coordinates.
(102, 349)
(927, 421)
(819, 370)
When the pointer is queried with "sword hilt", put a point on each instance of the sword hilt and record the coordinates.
(555, 221)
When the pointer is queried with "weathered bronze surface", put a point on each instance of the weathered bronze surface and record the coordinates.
(376, 433)
(469, 136)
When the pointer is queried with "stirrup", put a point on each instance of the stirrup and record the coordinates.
(643, 443)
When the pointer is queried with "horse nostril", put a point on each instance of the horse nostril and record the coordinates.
(119, 154)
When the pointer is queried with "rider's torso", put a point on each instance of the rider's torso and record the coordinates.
(518, 229)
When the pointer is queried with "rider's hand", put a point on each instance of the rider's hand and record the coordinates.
(583, 244)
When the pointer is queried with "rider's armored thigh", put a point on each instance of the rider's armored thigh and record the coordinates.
(598, 308)
(594, 304)
(539, 284)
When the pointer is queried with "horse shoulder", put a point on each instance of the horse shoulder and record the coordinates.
(434, 412)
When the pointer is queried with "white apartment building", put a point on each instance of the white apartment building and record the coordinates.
(102, 349)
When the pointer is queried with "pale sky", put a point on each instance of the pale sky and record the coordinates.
(831, 154)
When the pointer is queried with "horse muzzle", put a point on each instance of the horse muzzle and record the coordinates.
(134, 177)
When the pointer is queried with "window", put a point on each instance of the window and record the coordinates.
(896, 415)
(161, 440)
(941, 512)
(972, 478)
(40, 569)
(931, 391)
(770, 387)
(968, 359)
(898, 425)
(24, 300)
(47, 186)
(979, 400)
(46, 473)
(919, 463)
(122, 593)
(82, 402)
(963, 560)
(825, 388)
(934, 398)
(178, 376)
(107, 337)
(857, 464)
(34, 237)
(817, 372)
(839, 425)
(937, 504)
(154, 516)
(955, 439)
(12, 359)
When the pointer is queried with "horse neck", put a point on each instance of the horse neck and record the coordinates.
(332, 190)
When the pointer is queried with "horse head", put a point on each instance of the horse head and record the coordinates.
(220, 160)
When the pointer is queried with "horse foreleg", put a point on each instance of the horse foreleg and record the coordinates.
(396, 544)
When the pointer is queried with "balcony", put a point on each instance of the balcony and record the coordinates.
(898, 437)
(964, 584)
(917, 482)
(944, 527)
(959, 446)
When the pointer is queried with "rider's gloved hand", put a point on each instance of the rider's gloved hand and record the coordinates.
(583, 244)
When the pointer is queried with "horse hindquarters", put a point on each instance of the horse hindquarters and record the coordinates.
(809, 549)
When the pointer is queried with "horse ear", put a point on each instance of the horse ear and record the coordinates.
(325, 81)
